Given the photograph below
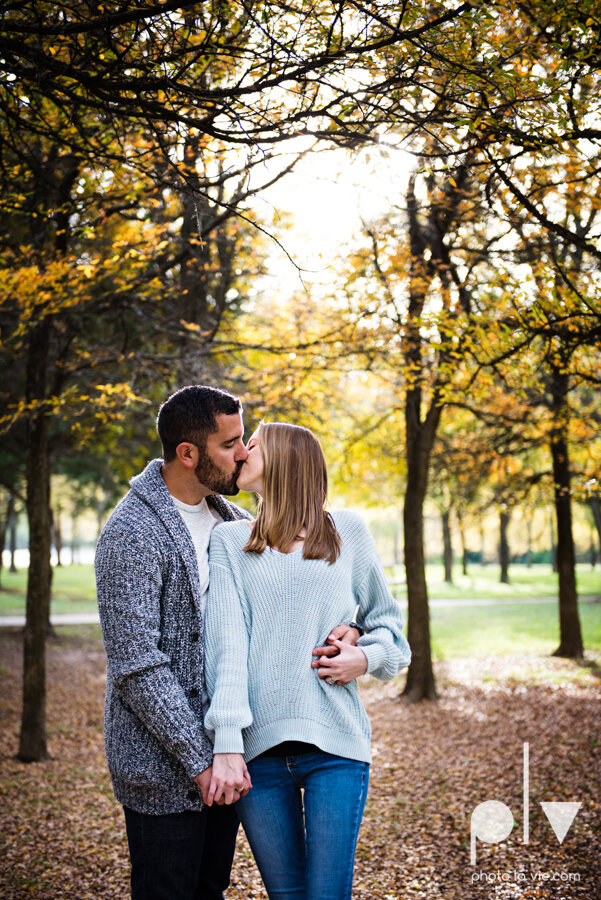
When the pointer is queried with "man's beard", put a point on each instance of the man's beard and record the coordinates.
(211, 476)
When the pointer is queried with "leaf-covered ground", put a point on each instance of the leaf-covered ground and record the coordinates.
(62, 834)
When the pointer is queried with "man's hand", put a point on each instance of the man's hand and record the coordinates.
(229, 779)
(349, 663)
(343, 633)
(204, 782)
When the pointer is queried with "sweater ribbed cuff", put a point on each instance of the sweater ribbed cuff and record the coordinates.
(375, 653)
(228, 740)
(196, 758)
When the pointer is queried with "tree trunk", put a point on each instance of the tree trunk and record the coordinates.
(74, 541)
(396, 547)
(570, 634)
(447, 546)
(4, 527)
(463, 543)
(504, 547)
(553, 545)
(595, 506)
(12, 530)
(420, 677)
(57, 535)
(420, 439)
(101, 505)
(529, 547)
(32, 745)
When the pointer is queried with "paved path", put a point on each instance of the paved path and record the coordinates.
(58, 619)
(92, 618)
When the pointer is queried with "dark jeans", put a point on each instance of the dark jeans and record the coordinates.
(181, 856)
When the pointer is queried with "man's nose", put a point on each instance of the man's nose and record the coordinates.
(242, 454)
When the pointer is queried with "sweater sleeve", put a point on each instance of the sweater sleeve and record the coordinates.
(226, 657)
(128, 585)
(384, 643)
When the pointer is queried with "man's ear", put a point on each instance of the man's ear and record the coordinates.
(187, 454)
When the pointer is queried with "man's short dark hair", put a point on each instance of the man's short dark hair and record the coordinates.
(190, 415)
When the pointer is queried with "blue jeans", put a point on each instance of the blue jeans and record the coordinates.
(302, 819)
(181, 856)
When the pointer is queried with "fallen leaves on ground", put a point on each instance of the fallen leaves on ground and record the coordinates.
(63, 836)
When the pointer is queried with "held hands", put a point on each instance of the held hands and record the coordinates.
(225, 781)
(204, 782)
(340, 661)
(343, 633)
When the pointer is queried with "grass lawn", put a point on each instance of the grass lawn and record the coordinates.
(482, 582)
(73, 590)
(506, 628)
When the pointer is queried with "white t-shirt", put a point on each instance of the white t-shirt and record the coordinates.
(200, 520)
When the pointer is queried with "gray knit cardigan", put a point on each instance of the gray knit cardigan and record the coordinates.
(149, 601)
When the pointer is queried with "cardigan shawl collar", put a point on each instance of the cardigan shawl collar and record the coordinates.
(150, 487)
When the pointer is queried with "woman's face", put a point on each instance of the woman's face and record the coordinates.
(251, 473)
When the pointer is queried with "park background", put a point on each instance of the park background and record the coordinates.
(380, 221)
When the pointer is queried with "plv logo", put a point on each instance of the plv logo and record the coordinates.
(492, 821)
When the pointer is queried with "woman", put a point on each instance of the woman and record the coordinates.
(275, 592)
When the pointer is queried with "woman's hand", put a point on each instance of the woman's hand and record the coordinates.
(229, 779)
(349, 663)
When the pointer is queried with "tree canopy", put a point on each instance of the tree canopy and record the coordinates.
(134, 139)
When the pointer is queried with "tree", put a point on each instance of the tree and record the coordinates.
(515, 95)
(274, 70)
(408, 308)
(112, 119)
(98, 274)
(548, 346)
(555, 423)
(592, 495)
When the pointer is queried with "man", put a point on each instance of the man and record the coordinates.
(152, 580)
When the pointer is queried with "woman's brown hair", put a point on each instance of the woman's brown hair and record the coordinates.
(295, 487)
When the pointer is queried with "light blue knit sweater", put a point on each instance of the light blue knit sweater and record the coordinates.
(265, 614)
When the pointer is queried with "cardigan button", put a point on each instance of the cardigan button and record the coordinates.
(193, 692)
(192, 795)
(196, 636)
